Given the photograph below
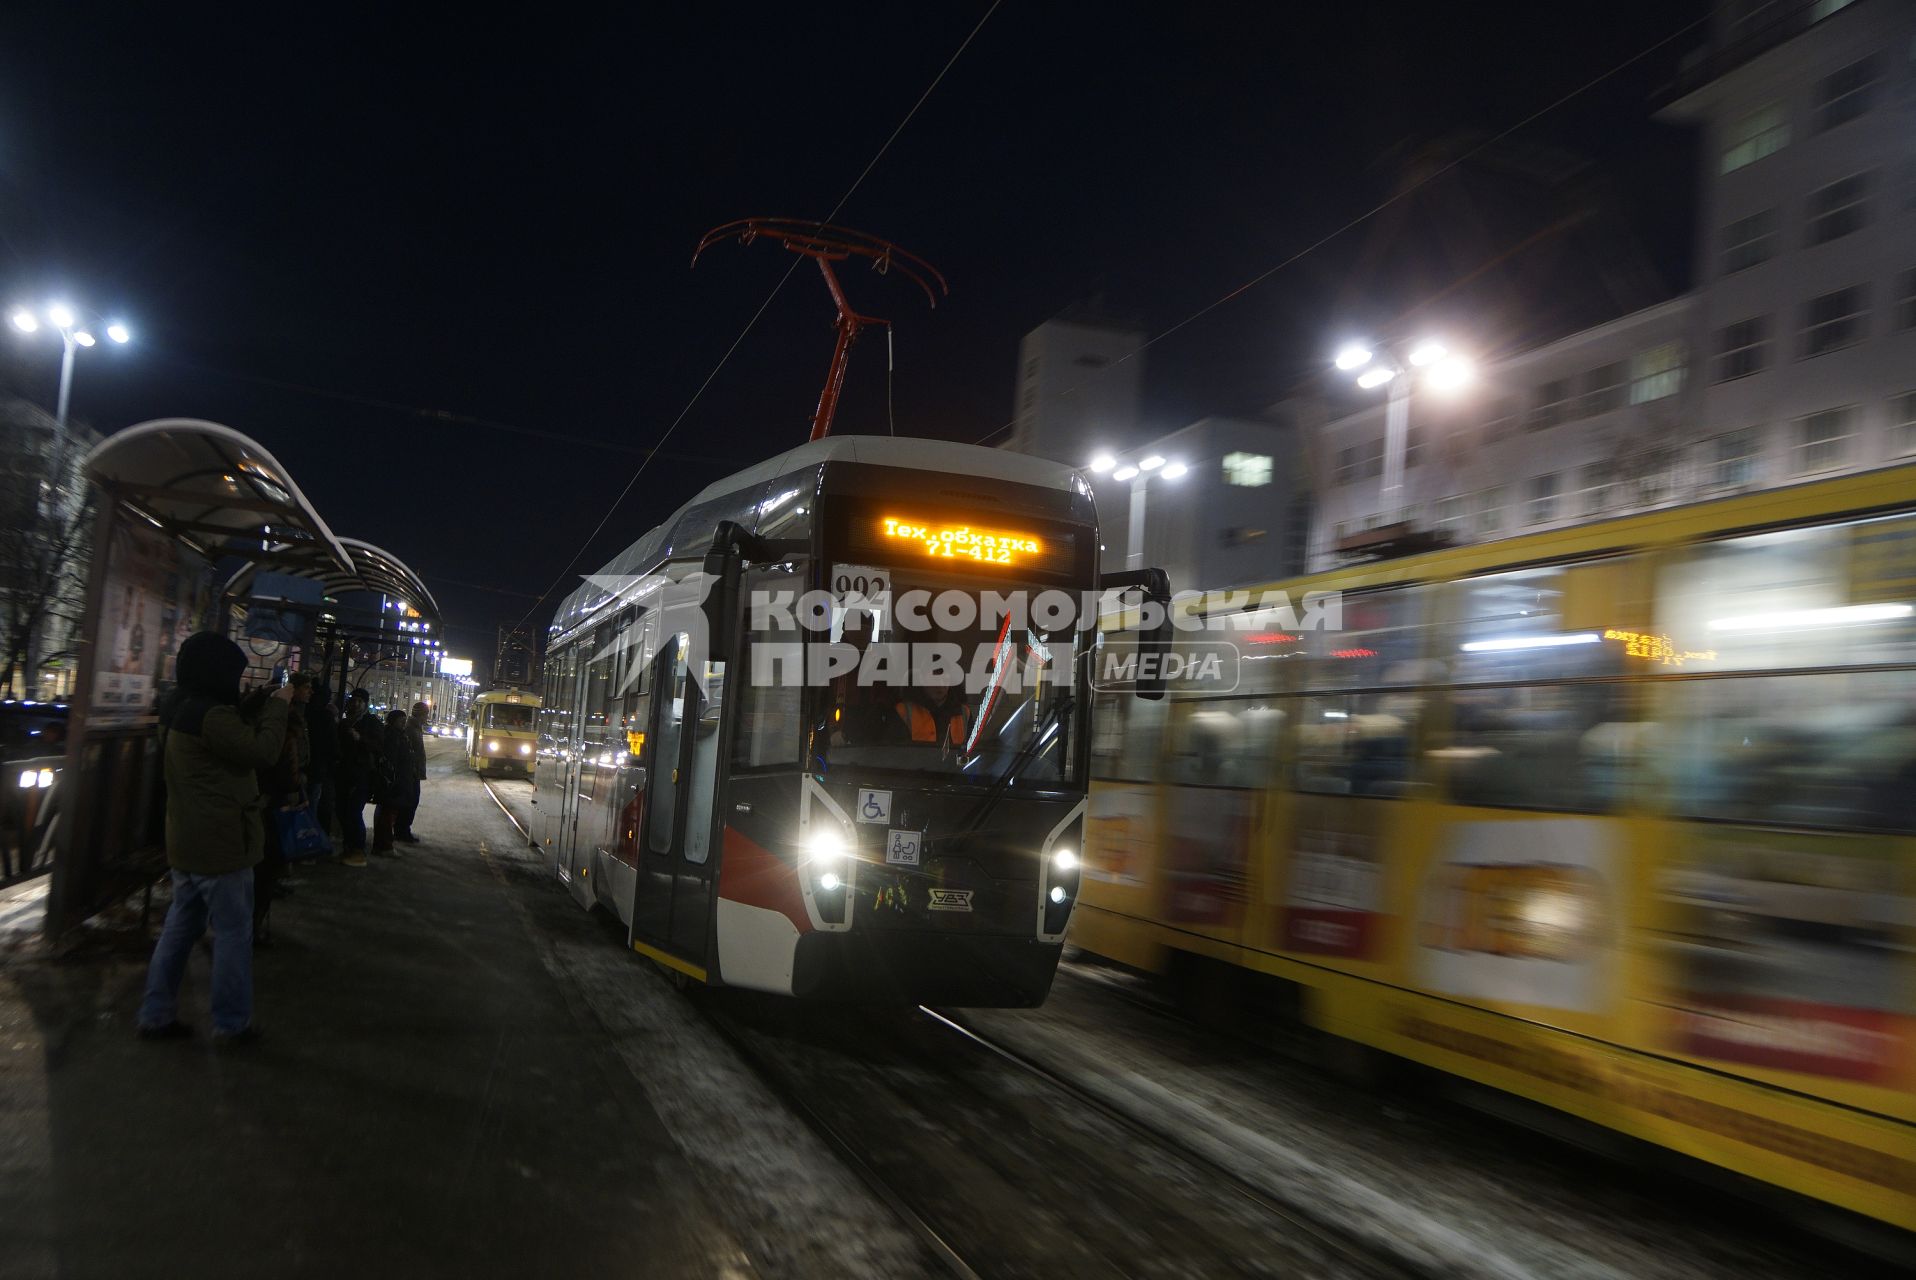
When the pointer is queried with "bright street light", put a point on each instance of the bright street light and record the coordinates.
(60, 316)
(1175, 470)
(63, 319)
(118, 333)
(1450, 374)
(82, 337)
(1353, 356)
(23, 321)
(1375, 377)
(1151, 463)
(1103, 463)
(1426, 353)
(1126, 472)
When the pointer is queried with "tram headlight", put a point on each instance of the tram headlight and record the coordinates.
(825, 846)
(829, 881)
(525, 748)
(1064, 860)
(492, 748)
(1057, 893)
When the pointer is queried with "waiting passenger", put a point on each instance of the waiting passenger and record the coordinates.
(215, 833)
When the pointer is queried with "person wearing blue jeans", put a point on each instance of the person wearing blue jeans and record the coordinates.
(215, 834)
(226, 903)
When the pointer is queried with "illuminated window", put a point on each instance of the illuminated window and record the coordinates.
(1838, 209)
(1656, 373)
(1742, 348)
(1763, 132)
(1748, 241)
(1840, 98)
(1551, 405)
(1603, 389)
(1834, 320)
(1247, 470)
(1822, 439)
(1734, 457)
(1542, 506)
(1902, 424)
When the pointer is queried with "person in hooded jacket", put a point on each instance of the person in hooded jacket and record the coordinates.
(215, 832)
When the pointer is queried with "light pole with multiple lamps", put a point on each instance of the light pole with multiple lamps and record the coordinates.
(1139, 473)
(60, 318)
(1441, 371)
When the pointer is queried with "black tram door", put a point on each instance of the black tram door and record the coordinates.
(571, 760)
(677, 862)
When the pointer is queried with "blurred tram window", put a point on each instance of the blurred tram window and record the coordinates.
(1539, 716)
(1360, 740)
(1124, 737)
(1825, 750)
(1223, 742)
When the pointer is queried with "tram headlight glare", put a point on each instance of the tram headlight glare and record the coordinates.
(1057, 893)
(829, 881)
(1064, 859)
(525, 748)
(825, 845)
(493, 747)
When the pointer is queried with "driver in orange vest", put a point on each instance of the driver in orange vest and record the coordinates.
(934, 717)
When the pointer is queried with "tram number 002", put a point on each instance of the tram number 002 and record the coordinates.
(859, 582)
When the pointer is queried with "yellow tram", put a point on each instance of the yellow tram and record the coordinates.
(1620, 818)
(502, 733)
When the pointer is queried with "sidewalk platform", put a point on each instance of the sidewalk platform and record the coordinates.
(429, 1100)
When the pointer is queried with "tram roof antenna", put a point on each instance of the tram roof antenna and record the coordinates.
(825, 244)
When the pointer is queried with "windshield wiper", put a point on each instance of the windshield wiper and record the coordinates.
(1040, 734)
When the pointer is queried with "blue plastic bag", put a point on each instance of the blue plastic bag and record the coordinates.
(300, 836)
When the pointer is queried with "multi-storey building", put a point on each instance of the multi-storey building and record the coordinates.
(1078, 381)
(1794, 356)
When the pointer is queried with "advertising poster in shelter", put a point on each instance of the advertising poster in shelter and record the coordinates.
(156, 594)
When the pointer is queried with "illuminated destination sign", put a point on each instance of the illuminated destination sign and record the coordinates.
(1657, 648)
(944, 541)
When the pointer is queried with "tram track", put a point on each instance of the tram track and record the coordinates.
(1003, 1167)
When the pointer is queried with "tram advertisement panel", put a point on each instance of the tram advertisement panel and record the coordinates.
(1333, 891)
(1788, 950)
(1207, 855)
(156, 594)
(1118, 833)
(1523, 912)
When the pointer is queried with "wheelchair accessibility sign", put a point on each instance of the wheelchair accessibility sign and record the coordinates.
(874, 806)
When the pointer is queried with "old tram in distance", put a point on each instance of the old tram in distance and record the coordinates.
(821, 838)
(502, 733)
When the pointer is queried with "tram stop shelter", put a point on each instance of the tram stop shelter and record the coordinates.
(197, 528)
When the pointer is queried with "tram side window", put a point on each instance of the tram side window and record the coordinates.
(1380, 642)
(1534, 721)
(770, 710)
(1222, 743)
(1357, 744)
(1834, 749)
(1125, 731)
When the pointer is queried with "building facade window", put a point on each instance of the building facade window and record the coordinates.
(1359, 462)
(1656, 373)
(1415, 441)
(1837, 210)
(1490, 509)
(1550, 406)
(1594, 485)
(1748, 241)
(1542, 505)
(1502, 422)
(1742, 348)
(1604, 389)
(1762, 132)
(1247, 470)
(1834, 320)
(1902, 424)
(1453, 513)
(1822, 439)
(1840, 98)
(1734, 456)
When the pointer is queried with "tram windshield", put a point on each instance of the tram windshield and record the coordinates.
(974, 702)
(509, 716)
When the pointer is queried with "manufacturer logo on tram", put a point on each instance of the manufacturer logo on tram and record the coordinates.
(951, 899)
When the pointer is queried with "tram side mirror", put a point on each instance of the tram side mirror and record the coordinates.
(1154, 643)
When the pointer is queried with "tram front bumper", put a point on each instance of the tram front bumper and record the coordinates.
(911, 967)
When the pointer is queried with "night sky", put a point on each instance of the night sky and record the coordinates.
(439, 265)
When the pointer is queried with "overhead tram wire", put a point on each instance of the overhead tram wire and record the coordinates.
(1367, 215)
(751, 323)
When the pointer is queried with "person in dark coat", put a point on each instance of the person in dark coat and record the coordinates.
(281, 786)
(361, 742)
(389, 781)
(413, 776)
(322, 755)
(214, 834)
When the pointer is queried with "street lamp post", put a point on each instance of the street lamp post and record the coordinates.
(1441, 370)
(1139, 473)
(73, 336)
